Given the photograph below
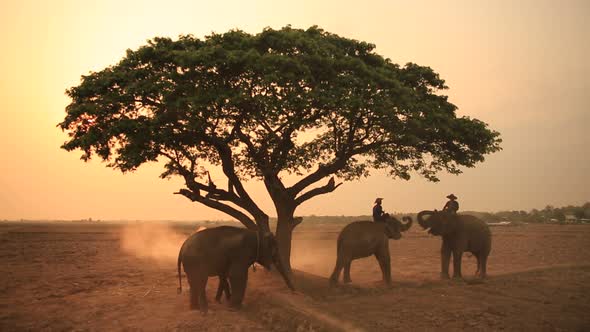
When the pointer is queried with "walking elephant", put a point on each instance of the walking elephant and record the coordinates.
(365, 238)
(226, 252)
(459, 233)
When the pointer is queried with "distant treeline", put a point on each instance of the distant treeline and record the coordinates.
(313, 219)
(549, 213)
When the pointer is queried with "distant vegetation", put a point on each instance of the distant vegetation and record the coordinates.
(548, 214)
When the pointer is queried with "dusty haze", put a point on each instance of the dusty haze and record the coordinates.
(100, 276)
(151, 241)
(157, 242)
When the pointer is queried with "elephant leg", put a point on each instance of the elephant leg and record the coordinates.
(223, 287)
(191, 276)
(227, 289)
(219, 291)
(238, 278)
(457, 255)
(194, 294)
(484, 262)
(385, 265)
(202, 294)
(478, 271)
(337, 269)
(346, 278)
(445, 258)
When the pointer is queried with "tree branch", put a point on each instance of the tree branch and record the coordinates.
(211, 189)
(236, 192)
(297, 221)
(283, 148)
(196, 197)
(337, 164)
(227, 164)
(251, 148)
(317, 175)
(329, 187)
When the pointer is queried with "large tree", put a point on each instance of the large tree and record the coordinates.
(303, 102)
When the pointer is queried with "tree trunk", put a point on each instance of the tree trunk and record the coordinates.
(284, 235)
(262, 224)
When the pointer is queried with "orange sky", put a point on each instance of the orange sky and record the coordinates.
(520, 66)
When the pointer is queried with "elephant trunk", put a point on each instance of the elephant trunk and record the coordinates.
(408, 223)
(424, 223)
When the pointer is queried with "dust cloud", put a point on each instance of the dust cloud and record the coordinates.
(152, 241)
(308, 256)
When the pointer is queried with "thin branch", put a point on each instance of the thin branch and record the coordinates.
(328, 188)
(211, 189)
(297, 221)
(195, 197)
(337, 164)
(283, 148)
(321, 172)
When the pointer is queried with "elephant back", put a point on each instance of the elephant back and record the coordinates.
(474, 224)
(479, 230)
(362, 230)
(212, 240)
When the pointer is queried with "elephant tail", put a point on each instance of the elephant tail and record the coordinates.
(339, 244)
(179, 274)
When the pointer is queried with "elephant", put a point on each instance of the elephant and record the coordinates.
(223, 284)
(460, 233)
(227, 252)
(365, 238)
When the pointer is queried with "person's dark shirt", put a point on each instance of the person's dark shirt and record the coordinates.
(377, 212)
(451, 206)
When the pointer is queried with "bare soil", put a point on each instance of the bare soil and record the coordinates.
(109, 277)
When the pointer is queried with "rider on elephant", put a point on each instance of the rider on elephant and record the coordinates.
(452, 205)
(378, 214)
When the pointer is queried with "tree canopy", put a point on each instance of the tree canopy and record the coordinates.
(288, 101)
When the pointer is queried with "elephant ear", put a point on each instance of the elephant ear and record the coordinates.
(392, 228)
(389, 230)
(269, 243)
(449, 223)
(267, 248)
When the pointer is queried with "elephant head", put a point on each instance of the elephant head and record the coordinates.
(394, 227)
(268, 256)
(439, 222)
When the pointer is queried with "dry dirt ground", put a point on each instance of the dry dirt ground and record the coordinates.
(108, 277)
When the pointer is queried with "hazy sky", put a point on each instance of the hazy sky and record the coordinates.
(521, 66)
